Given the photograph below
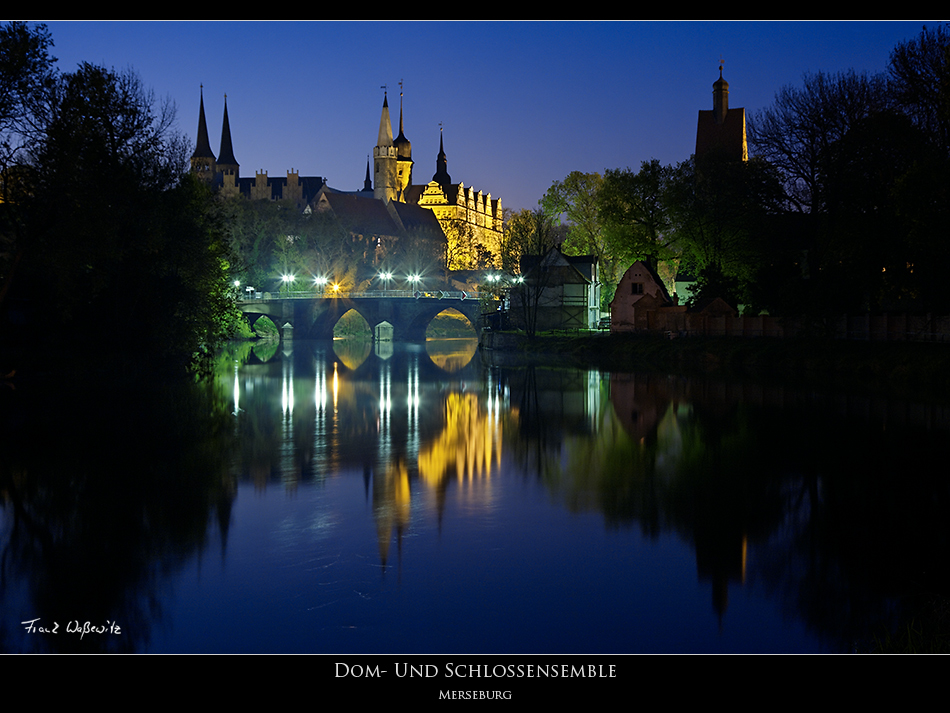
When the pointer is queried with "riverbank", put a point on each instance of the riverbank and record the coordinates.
(923, 368)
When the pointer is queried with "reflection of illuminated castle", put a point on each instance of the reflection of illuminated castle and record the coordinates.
(470, 219)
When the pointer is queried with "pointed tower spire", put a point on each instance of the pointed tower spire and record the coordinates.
(385, 126)
(442, 176)
(367, 182)
(202, 160)
(403, 158)
(226, 160)
(384, 156)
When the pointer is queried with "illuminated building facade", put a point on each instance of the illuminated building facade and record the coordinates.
(464, 213)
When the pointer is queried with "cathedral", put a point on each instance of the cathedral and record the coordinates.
(471, 220)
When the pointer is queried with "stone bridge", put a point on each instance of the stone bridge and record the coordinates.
(407, 313)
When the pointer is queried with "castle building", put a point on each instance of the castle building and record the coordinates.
(471, 220)
(722, 130)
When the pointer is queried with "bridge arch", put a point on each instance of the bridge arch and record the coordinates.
(450, 322)
(409, 315)
(352, 324)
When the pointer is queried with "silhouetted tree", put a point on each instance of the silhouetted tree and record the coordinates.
(718, 209)
(796, 132)
(116, 228)
(919, 70)
(634, 213)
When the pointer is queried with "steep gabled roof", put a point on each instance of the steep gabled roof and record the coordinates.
(554, 259)
(416, 219)
(370, 216)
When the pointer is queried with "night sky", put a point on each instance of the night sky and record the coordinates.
(522, 104)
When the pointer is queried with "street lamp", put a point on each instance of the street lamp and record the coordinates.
(320, 283)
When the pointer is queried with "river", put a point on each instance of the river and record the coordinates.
(346, 498)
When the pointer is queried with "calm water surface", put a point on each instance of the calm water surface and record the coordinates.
(345, 498)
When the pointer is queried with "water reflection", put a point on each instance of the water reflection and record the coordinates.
(412, 498)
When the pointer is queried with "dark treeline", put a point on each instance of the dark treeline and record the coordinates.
(108, 244)
(842, 206)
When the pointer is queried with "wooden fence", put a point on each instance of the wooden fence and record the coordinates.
(864, 327)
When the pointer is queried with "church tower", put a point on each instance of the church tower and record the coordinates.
(721, 132)
(384, 158)
(202, 160)
(720, 99)
(227, 164)
(403, 159)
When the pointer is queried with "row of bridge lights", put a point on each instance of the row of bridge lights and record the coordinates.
(387, 277)
(322, 282)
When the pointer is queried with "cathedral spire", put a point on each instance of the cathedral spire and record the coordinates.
(403, 158)
(226, 160)
(367, 182)
(402, 144)
(202, 160)
(385, 126)
(442, 176)
(384, 157)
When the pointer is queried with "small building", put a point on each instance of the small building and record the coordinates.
(559, 292)
(640, 292)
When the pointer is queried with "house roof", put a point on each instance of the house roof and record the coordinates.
(366, 215)
(643, 268)
(554, 258)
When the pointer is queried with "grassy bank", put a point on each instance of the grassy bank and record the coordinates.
(920, 367)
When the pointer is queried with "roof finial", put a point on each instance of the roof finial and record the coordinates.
(721, 62)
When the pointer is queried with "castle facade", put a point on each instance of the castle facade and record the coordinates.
(471, 220)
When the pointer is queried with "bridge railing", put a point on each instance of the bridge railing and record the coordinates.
(363, 294)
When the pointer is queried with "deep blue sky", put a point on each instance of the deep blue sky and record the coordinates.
(522, 103)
